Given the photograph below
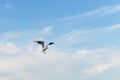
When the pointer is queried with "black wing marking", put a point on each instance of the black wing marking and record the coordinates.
(51, 43)
(41, 42)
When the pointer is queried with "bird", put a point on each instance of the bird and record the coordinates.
(44, 48)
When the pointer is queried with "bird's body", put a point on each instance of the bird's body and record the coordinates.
(44, 48)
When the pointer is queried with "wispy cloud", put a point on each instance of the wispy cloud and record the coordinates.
(28, 35)
(85, 53)
(8, 5)
(101, 60)
(102, 67)
(7, 21)
(97, 69)
(10, 35)
(8, 48)
(98, 12)
(47, 30)
(114, 27)
(76, 36)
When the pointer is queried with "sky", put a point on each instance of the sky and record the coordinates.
(85, 32)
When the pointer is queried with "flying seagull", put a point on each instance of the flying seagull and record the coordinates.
(44, 48)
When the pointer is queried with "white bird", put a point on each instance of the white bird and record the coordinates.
(44, 48)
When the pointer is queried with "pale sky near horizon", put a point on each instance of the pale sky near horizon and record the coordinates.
(86, 35)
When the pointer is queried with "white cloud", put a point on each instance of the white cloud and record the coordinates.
(5, 78)
(81, 54)
(8, 48)
(86, 53)
(106, 59)
(100, 11)
(102, 67)
(97, 69)
(32, 64)
(36, 65)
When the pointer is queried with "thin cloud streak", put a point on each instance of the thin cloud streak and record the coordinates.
(114, 27)
(47, 30)
(98, 12)
(76, 36)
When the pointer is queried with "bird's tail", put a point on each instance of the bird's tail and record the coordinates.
(44, 52)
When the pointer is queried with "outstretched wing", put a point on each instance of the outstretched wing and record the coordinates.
(41, 42)
(51, 43)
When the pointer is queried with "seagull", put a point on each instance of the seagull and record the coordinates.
(44, 48)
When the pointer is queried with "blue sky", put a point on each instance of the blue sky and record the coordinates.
(86, 36)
